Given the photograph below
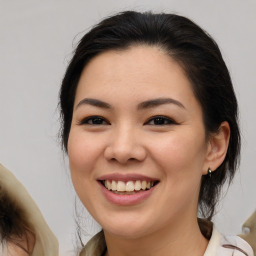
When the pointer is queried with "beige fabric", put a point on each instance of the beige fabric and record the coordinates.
(46, 243)
(95, 247)
(219, 245)
(250, 237)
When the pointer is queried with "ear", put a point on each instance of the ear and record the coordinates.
(217, 148)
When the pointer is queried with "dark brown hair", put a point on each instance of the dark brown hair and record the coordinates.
(199, 56)
(13, 224)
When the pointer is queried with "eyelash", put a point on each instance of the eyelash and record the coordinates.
(163, 120)
(90, 119)
(99, 120)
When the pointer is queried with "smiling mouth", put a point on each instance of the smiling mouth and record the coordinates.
(129, 187)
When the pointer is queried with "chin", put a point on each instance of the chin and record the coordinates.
(129, 233)
(127, 229)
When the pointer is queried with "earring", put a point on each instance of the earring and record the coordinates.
(209, 172)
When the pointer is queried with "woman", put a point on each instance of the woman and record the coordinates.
(23, 230)
(150, 128)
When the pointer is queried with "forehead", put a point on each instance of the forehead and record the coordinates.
(136, 72)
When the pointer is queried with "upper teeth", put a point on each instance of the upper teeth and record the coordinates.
(128, 186)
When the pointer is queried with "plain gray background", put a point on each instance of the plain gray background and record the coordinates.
(36, 42)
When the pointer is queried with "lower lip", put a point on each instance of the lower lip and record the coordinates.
(126, 200)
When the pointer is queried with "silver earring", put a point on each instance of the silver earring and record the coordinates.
(209, 172)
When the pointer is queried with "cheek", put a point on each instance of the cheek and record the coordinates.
(82, 156)
(181, 160)
(82, 151)
(180, 154)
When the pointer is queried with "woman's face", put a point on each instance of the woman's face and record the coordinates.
(137, 146)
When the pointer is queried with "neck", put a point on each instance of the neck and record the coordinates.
(180, 239)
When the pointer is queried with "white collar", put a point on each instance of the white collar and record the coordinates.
(214, 243)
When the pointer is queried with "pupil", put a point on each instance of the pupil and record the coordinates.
(97, 121)
(159, 121)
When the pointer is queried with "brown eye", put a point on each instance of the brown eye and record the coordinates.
(160, 120)
(95, 120)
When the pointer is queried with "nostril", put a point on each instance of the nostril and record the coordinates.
(123, 160)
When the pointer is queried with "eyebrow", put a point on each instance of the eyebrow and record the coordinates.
(143, 105)
(93, 102)
(159, 101)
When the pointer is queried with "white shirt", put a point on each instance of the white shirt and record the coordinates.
(220, 245)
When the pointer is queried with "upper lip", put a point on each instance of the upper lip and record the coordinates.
(125, 177)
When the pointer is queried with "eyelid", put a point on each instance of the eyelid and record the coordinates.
(171, 121)
(85, 121)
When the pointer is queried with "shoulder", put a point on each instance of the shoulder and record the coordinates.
(220, 245)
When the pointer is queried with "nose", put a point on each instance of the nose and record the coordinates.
(125, 145)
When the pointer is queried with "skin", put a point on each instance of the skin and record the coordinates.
(128, 139)
(15, 250)
(21, 246)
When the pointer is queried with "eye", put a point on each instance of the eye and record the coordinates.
(94, 120)
(160, 120)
